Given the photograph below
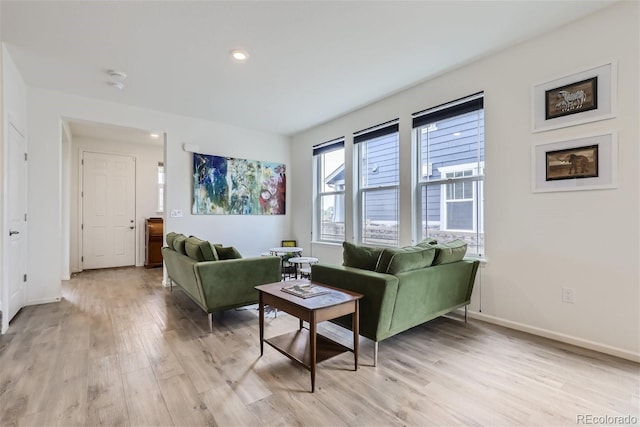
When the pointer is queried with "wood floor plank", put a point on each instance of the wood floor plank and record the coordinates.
(145, 403)
(119, 349)
(185, 404)
(227, 408)
(105, 393)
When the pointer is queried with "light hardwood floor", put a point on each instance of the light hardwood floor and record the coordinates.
(121, 350)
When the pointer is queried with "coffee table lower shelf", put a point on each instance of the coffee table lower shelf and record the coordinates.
(295, 345)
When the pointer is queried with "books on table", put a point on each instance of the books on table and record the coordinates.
(306, 291)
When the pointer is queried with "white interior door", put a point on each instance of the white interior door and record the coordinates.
(17, 220)
(108, 210)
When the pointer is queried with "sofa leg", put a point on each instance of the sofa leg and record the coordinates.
(170, 285)
(375, 353)
(465, 314)
(210, 322)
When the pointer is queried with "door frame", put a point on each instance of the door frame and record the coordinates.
(136, 246)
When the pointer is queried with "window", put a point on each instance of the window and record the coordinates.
(450, 144)
(160, 181)
(378, 179)
(329, 201)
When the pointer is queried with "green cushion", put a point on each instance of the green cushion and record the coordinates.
(170, 238)
(449, 252)
(179, 244)
(199, 250)
(359, 256)
(399, 260)
(228, 252)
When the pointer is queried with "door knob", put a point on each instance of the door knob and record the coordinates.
(131, 228)
(12, 232)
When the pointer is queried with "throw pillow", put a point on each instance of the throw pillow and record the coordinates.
(228, 253)
(359, 256)
(179, 242)
(385, 257)
(408, 259)
(199, 250)
(450, 252)
(170, 237)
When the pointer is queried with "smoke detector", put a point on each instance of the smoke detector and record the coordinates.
(117, 85)
(118, 77)
(117, 74)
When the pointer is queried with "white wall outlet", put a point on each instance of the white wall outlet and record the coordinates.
(568, 295)
(176, 213)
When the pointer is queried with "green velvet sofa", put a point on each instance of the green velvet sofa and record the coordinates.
(402, 287)
(216, 278)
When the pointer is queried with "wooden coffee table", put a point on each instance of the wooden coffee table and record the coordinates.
(306, 346)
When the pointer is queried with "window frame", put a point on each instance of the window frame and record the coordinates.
(318, 158)
(424, 120)
(361, 139)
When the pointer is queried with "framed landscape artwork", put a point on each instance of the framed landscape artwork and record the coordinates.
(582, 97)
(228, 186)
(587, 163)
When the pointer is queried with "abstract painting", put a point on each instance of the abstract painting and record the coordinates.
(228, 186)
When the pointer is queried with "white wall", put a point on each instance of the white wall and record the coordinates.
(147, 157)
(66, 208)
(250, 234)
(536, 243)
(3, 327)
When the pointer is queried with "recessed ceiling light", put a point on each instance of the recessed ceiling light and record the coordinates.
(240, 55)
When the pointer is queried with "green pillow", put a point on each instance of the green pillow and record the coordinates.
(200, 250)
(406, 259)
(228, 252)
(450, 252)
(385, 257)
(170, 237)
(359, 256)
(179, 242)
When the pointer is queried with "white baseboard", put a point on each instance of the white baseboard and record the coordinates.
(43, 301)
(568, 339)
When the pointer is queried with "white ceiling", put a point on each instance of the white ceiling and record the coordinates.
(311, 61)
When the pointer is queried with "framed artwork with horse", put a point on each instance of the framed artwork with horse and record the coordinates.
(587, 163)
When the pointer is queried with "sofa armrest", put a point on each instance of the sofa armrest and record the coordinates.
(379, 290)
(230, 283)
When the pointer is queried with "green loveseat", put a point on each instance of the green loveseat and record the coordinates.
(402, 287)
(217, 278)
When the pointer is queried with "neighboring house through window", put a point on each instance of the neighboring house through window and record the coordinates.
(378, 184)
(329, 201)
(450, 190)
